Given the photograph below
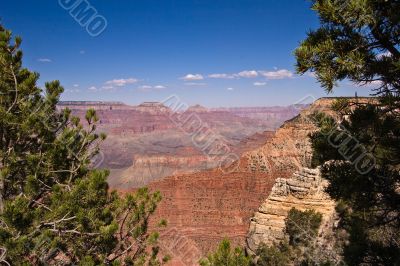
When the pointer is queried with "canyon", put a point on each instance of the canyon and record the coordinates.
(144, 143)
(203, 205)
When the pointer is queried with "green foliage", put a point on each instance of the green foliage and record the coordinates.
(341, 105)
(302, 227)
(276, 255)
(327, 126)
(226, 256)
(370, 202)
(359, 40)
(54, 208)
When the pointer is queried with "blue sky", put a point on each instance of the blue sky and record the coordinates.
(215, 53)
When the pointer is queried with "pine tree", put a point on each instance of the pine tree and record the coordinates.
(359, 40)
(54, 208)
(225, 255)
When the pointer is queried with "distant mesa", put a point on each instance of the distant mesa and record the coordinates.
(151, 104)
(197, 109)
(152, 107)
(145, 107)
(88, 103)
(97, 105)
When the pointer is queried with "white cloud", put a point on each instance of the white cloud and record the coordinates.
(277, 74)
(92, 88)
(260, 83)
(76, 85)
(230, 89)
(195, 84)
(44, 60)
(159, 87)
(107, 87)
(190, 77)
(73, 90)
(386, 54)
(248, 74)
(145, 87)
(121, 82)
(149, 87)
(374, 83)
(221, 76)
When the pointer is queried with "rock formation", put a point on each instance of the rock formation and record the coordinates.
(153, 108)
(305, 190)
(197, 108)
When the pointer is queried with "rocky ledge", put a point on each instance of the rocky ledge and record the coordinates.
(305, 190)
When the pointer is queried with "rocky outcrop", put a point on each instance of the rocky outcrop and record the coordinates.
(305, 190)
(153, 108)
(197, 109)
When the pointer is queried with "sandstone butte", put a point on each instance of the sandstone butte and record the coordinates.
(204, 208)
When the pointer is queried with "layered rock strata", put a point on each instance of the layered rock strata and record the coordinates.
(144, 143)
(305, 190)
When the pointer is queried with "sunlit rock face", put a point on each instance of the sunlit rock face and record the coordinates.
(305, 190)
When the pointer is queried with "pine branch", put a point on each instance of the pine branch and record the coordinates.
(3, 256)
(73, 232)
(15, 83)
